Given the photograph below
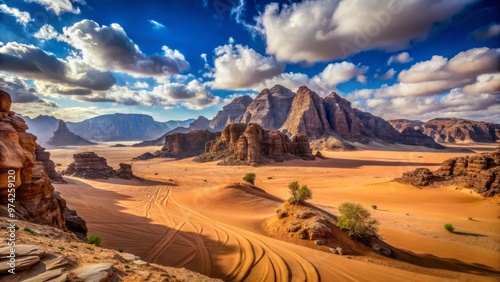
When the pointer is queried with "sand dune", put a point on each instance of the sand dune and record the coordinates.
(207, 226)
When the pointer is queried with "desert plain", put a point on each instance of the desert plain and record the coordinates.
(205, 223)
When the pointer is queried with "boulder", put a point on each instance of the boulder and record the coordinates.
(125, 171)
(97, 272)
(89, 165)
(75, 223)
(418, 177)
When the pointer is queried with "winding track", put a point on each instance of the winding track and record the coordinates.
(198, 240)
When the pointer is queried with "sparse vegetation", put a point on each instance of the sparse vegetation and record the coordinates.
(449, 227)
(120, 250)
(61, 248)
(29, 230)
(250, 178)
(357, 221)
(94, 240)
(299, 193)
(374, 207)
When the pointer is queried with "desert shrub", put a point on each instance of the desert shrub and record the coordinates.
(29, 230)
(449, 227)
(299, 193)
(374, 207)
(94, 240)
(357, 221)
(120, 250)
(250, 178)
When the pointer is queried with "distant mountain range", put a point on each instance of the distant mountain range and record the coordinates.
(279, 108)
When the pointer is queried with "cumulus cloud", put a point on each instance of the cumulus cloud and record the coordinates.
(485, 83)
(240, 67)
(487, 32)
(109, 48)
(388, 75)
(32, 62)
(192, 95)
(141, 85)
(59, 7)
(46, 32)
(314, 31)
(20, 92)
(21, 17)
(156, 25)
(403, 57)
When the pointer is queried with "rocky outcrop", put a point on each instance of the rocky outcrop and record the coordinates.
(48, 165)
(249, 144)
(35, 198)
(270, 108)
(63, 137)
(343, 119)
(125, 171)
(89, 165)
(307, 115)
(402, 124)
(480, 173)
(455, 130)
(185, 145)
(332, 143)
(411, 136)
(230, 112)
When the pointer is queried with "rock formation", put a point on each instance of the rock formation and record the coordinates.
(125, 171)
(307, 115)
(480, 173)
(185, 145)
(230, 112)
(455, 130)
(48, 165)
(249, 144)
(63, 137)
(35, 198)
(89, 165)
(343, 119)
(270, 108)
(402, 124)
(411, 136)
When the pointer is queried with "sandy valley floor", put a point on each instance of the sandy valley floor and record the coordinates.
(205, 227)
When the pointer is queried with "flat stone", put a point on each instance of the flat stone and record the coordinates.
(97, 272)
(22, 250)
(22, 263)
(129, 257)
(50, 275)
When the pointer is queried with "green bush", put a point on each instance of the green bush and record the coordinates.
(94, 240)
(357, 221)
(120, 250)
(299, 193)
(29, 230)
(250, 178)
(449, 227)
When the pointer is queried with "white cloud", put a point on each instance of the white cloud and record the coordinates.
(59, 7)
(313, 31)
(19, 90)
(488, 32)
(109, 48)
(486, 83)
(388, 75)
(241, 67)
(156, 25)
(21, 17)
(403, 57)
(46, 32)
(141, 85)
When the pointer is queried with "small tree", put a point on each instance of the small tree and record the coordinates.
(357, 221)
(449, 227)
(94, 240)
(299, 193)
(250, 178)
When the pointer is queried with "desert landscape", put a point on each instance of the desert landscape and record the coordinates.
(217, 140)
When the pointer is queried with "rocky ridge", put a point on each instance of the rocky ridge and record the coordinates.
(35, 197)
(230, 112)
(249, 144)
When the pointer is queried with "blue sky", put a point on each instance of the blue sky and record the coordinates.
(180, 59)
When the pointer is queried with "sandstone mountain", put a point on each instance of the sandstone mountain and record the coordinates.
(63, 137)
(230, 112)
(270, 108)
(250, 144)
(480, 173)
(42, 127)
(453, 130)
(342, 118)
(36, 200)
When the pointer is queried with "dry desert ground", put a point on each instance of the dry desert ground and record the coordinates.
(206, 226)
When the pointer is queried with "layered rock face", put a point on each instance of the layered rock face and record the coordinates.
(230, 112)
(185, 145)
(453, 130)
(35, 199)
(480, 173)
(307, 115)
(48, 165)
(342, 118)
(270, 108)
(89, 165)
(402, 124)
(63, 137)
(249, 144)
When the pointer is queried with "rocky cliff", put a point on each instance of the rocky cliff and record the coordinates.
(270, 108)
(342, 118)
(35, 198)
(63, 137)
(249, 144)
(480, 173)
(230, 112)
(185, 145)
(48, 165)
